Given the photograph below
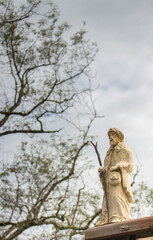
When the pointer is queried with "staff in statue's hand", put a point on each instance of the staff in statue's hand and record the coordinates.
(101, 170)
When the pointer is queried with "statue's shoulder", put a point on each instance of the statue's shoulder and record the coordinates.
(121, 147)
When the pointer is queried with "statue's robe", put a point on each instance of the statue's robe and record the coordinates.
(117, 184)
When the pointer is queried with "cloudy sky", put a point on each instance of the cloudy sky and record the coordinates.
(123, 30)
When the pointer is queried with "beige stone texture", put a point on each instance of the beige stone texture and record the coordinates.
(118, 165)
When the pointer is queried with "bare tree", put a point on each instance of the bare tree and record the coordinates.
(43, 70)
(46, 186)
(143, 200)
(9, 14)
(45, 84)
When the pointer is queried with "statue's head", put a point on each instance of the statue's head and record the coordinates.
(115, 136)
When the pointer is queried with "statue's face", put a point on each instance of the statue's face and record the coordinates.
(113, 139)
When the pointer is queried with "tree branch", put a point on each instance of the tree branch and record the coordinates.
(19, 18)
(28, 131)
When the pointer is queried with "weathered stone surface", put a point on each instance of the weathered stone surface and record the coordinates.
(118, 164)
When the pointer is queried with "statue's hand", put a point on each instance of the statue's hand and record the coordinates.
(115, 168)
(101, 170)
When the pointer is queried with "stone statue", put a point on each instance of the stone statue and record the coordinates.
(118, 164)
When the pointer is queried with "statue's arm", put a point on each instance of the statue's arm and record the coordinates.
(125, 161)
(125, 165)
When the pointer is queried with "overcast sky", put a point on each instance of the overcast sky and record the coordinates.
(123, 30)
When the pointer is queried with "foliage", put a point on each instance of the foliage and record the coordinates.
(143, 201)
(41, 69)
(37, 194)
(45, 89)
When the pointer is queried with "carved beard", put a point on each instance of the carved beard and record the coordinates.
(114, 141)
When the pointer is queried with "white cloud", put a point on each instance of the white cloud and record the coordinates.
(124, 65)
